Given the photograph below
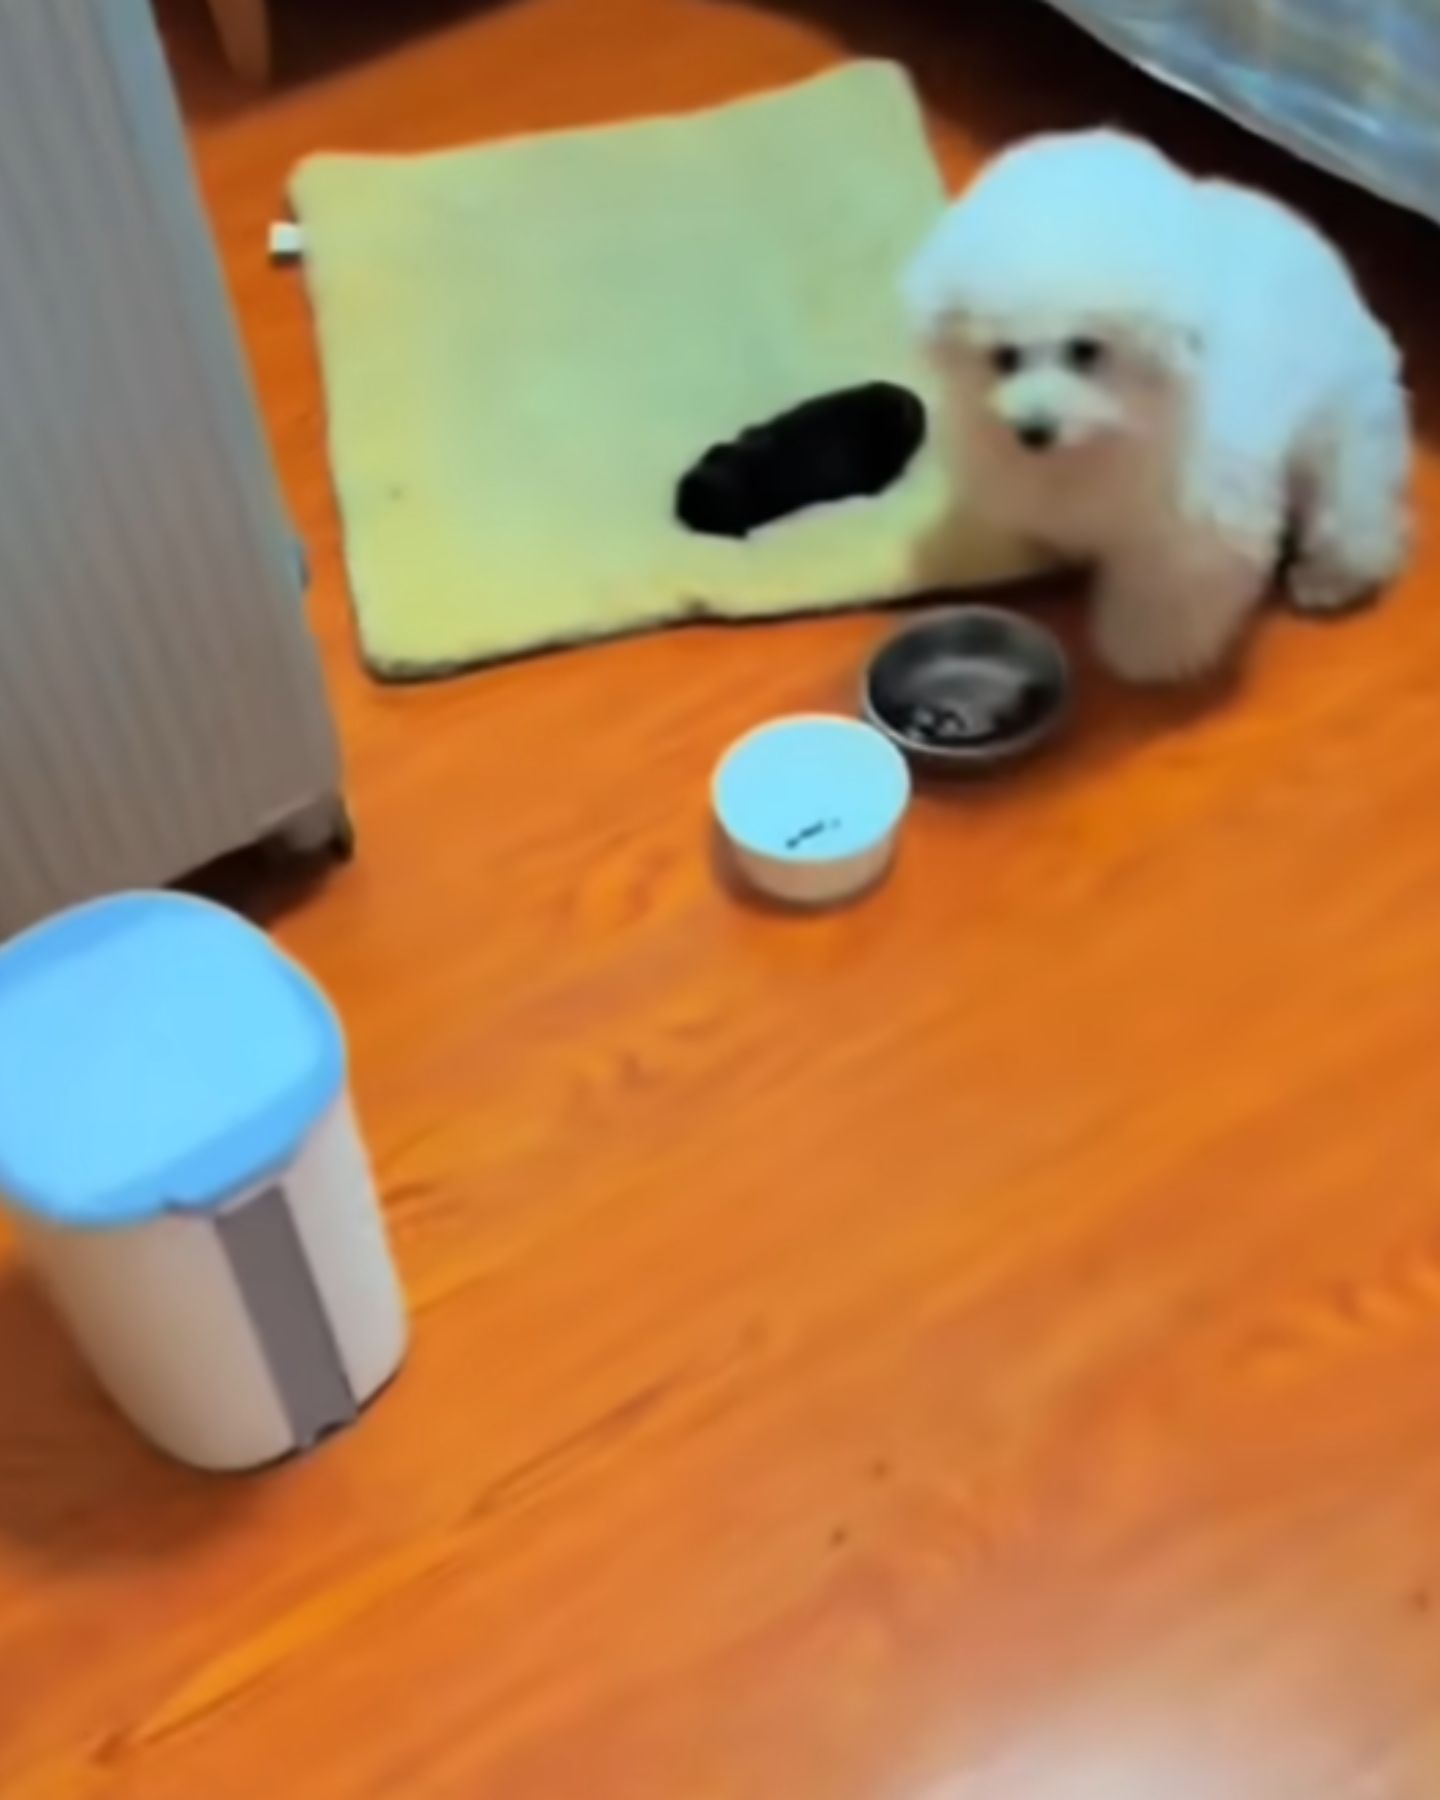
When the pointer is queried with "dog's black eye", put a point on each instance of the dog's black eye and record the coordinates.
(1006, 358)
(1084, 354)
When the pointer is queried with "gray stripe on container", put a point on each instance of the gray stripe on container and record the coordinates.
(266, 1257)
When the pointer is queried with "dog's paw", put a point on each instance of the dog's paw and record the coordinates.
(1142, 646)
(1327, 584)
(1151, 665)
(1336, 569)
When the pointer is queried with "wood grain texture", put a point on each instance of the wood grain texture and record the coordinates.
(980, 1346)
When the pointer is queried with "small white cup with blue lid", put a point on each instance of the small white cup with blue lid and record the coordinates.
(181, 1163)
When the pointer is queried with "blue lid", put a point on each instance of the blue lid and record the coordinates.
(156, 1054)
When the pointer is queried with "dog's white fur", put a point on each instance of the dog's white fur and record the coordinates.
(1210, 376)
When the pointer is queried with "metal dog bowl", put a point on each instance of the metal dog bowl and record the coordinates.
(968, 689)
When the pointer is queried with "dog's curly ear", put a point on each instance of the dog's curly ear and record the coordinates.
(927, 291)
(943, 333)
(1189, 345)
(1168, 344)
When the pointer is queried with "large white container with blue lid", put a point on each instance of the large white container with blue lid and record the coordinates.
(181, 1162)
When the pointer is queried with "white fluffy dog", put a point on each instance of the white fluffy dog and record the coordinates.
(1168, 378)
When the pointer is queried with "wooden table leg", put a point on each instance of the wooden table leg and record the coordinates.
(244, 27)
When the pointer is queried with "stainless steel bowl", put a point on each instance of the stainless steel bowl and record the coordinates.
(968, 689)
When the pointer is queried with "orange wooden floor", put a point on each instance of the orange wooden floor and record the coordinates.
(982, 1346)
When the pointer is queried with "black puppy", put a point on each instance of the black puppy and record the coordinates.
(856, 441)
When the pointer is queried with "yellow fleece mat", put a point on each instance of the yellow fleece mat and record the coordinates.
(525, 345)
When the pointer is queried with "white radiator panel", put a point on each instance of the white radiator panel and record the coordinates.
(160, 697)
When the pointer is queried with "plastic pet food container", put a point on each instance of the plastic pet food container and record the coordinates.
(180, 1159)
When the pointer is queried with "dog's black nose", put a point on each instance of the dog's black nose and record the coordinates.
(1036, 434)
